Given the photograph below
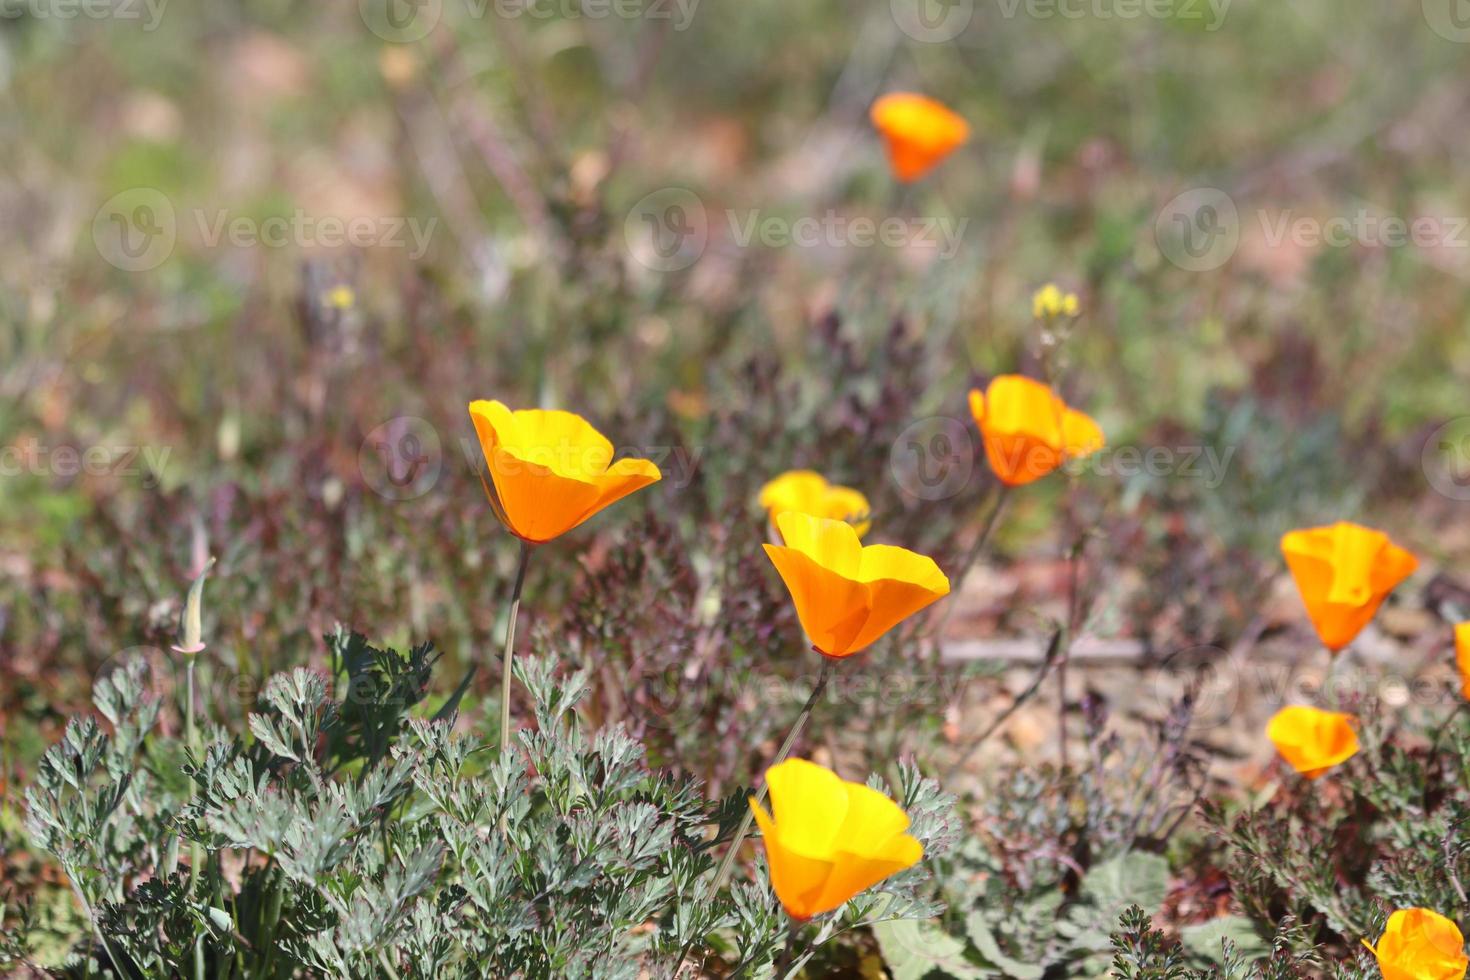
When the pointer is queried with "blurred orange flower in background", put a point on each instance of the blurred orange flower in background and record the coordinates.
(1418, 944)
(808, 492)
(1344, 572)
(829, 839)
(918, 131)
(1311, 740)
(550, 470)
(1462, 657)
(1029, 431)
(847, 595)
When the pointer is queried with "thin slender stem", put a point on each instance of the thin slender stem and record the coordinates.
(194, 853)
(992, 521)
(388, 964)
(1053, 652)
(507, 661)
(72, 877)
(788, 953)
(274, 902)
(189, 705)
(1074, 564)
(727, 864)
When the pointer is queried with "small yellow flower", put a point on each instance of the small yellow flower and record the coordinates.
(1312, 740)
(1418, 944)
(807, 492)
(1049, 301)
(829, 839)
(340, 298)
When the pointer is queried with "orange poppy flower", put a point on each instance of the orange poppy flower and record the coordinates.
(846, 595)
(1312, 741)
(918, 132)
(829, 839)
(1344, 572)
(550, 470)
(807, 492)
(1462, 657)
(1418, 944)
(1029, 431)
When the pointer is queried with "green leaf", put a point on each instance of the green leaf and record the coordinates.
(913, 949)
(1206, 939)
(1134, 878)
(987, 946)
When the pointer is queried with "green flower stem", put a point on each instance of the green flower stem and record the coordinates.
(272, 918)
(195, 857)
(507, 661)
(727, 864)
(996, 500)
(992, 519)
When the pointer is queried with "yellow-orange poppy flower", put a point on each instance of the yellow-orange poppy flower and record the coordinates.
(1418, 944)
(1462, 657)
(551, 470)
(1344, 572)
(1312, 741)
(918, 132)
(847, 595)
(1029, 431)
(829, 839)
(807, 492)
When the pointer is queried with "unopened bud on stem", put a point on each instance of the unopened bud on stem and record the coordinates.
(191, 628)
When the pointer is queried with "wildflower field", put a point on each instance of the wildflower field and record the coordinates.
(905, 489)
